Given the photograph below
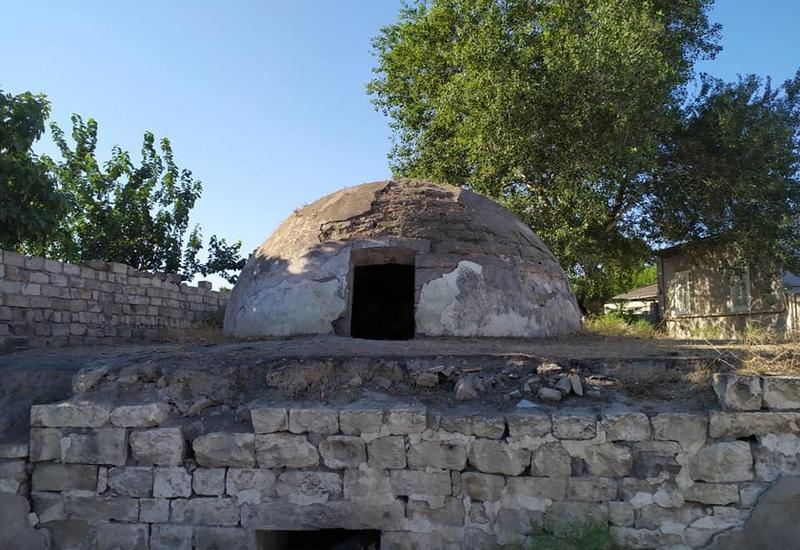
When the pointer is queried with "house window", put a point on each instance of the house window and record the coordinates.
(682, 293)
(740, 290)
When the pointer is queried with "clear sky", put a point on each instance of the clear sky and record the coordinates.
(264, 100)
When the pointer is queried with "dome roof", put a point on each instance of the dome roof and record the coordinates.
(477, 269)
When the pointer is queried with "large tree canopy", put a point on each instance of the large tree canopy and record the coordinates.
(76, 208)
(577, 114)
(30, 203)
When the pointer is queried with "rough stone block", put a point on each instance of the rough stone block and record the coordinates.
(205, 511)
(653, 458)
(153, 510)
(656, 517)
(628, 426)
(574, 426)
(102, 508)
(591, 489)
(101, 446)
(365, 484)
(171, 483)
(776, 456)
(533, 493)
(782, 392)
(551, 460)
(721, 462)
(628, 537)
(304, 487)
(267, 420)
(225, 449)
(620, 513)
(537, 425)
(444, 455)
(314, 420)
(249, 486)
(608, 460)
(415, 482)
(687, 429)
(496, 457)
(132, 481)
(736, 425)
(48, 506)
(209, 481)
(158, 446)
(173, 537)
(123, 536)
(422, 516)
(285, 451)
(360, 421)
(64, 477)
(218, 538)
(387, 453)
(342, 451)
(69, 415)
(483, 487)
(737, 392)
(479, 425)
(278, 514)
(45, 444)
(67, 533)
(712, 493)
(405, 421)
(140, 416)
(87, 378)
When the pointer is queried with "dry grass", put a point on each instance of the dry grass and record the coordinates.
(759, 352)
(690, 383)
(611, 325)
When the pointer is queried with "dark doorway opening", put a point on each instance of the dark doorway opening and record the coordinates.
(323, 539)
(383, 302)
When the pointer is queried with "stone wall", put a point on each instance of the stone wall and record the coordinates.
(143, 476)
(45, 302)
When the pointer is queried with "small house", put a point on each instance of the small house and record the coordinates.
(704, 292)
(639, 302)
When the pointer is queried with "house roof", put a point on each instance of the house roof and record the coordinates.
(644, 293)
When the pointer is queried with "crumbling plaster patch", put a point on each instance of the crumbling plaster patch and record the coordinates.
(473, 300)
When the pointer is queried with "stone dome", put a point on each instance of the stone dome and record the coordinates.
(395, 259)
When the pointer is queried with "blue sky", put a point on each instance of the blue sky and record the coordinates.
(264, 100)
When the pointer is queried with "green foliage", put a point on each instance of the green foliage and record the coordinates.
(731, 171)
(618, 324)
(30, 202)
(584, 535)
(576, 115)
(136, 214)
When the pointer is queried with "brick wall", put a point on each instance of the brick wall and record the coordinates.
(48, 303)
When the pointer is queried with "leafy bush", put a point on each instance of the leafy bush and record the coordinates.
(592, 534)
(615, 324)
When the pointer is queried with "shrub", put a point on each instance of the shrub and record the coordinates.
(614, 324)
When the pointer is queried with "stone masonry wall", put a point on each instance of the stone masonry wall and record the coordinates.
(45, 302)
(143, 476)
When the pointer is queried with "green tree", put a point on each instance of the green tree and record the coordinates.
(131, 213)
(731, 171)
(558, 108)
(31, 205)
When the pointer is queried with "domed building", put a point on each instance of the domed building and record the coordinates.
(399, 259)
